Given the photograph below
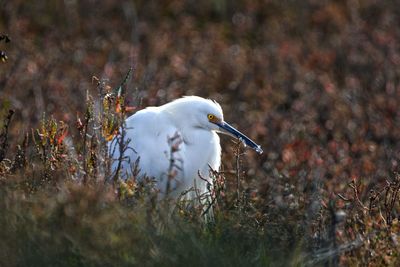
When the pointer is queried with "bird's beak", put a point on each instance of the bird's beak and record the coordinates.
(228, 129)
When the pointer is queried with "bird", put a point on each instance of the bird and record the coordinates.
(176, 144)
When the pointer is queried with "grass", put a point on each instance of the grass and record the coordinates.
(315, 84)
(59, 208)
(62, 207)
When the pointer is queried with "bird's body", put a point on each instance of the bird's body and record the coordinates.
(175, 143)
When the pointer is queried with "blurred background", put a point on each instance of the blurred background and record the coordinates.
(315, 82)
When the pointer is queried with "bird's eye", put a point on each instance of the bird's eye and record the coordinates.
(210, 117)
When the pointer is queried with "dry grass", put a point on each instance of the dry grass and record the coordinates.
(317, 84)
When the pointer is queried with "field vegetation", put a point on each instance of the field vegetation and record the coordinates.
(316, 83)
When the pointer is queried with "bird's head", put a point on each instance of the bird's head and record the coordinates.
(207, 114)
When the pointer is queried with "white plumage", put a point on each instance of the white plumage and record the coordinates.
(189, 125)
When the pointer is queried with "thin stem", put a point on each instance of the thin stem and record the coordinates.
(237, 154)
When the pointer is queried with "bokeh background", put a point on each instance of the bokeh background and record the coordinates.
(316, 83)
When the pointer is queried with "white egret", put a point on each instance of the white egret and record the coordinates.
(178, 137)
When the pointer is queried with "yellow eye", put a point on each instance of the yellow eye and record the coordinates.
(210, 117)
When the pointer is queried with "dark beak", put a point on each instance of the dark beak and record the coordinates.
(228, 129)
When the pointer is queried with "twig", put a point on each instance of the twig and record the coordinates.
(355, 190)
(237, 169)
(342, 197)
(122, 145)
(174, 143)
(88, 117)
(4, 135)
